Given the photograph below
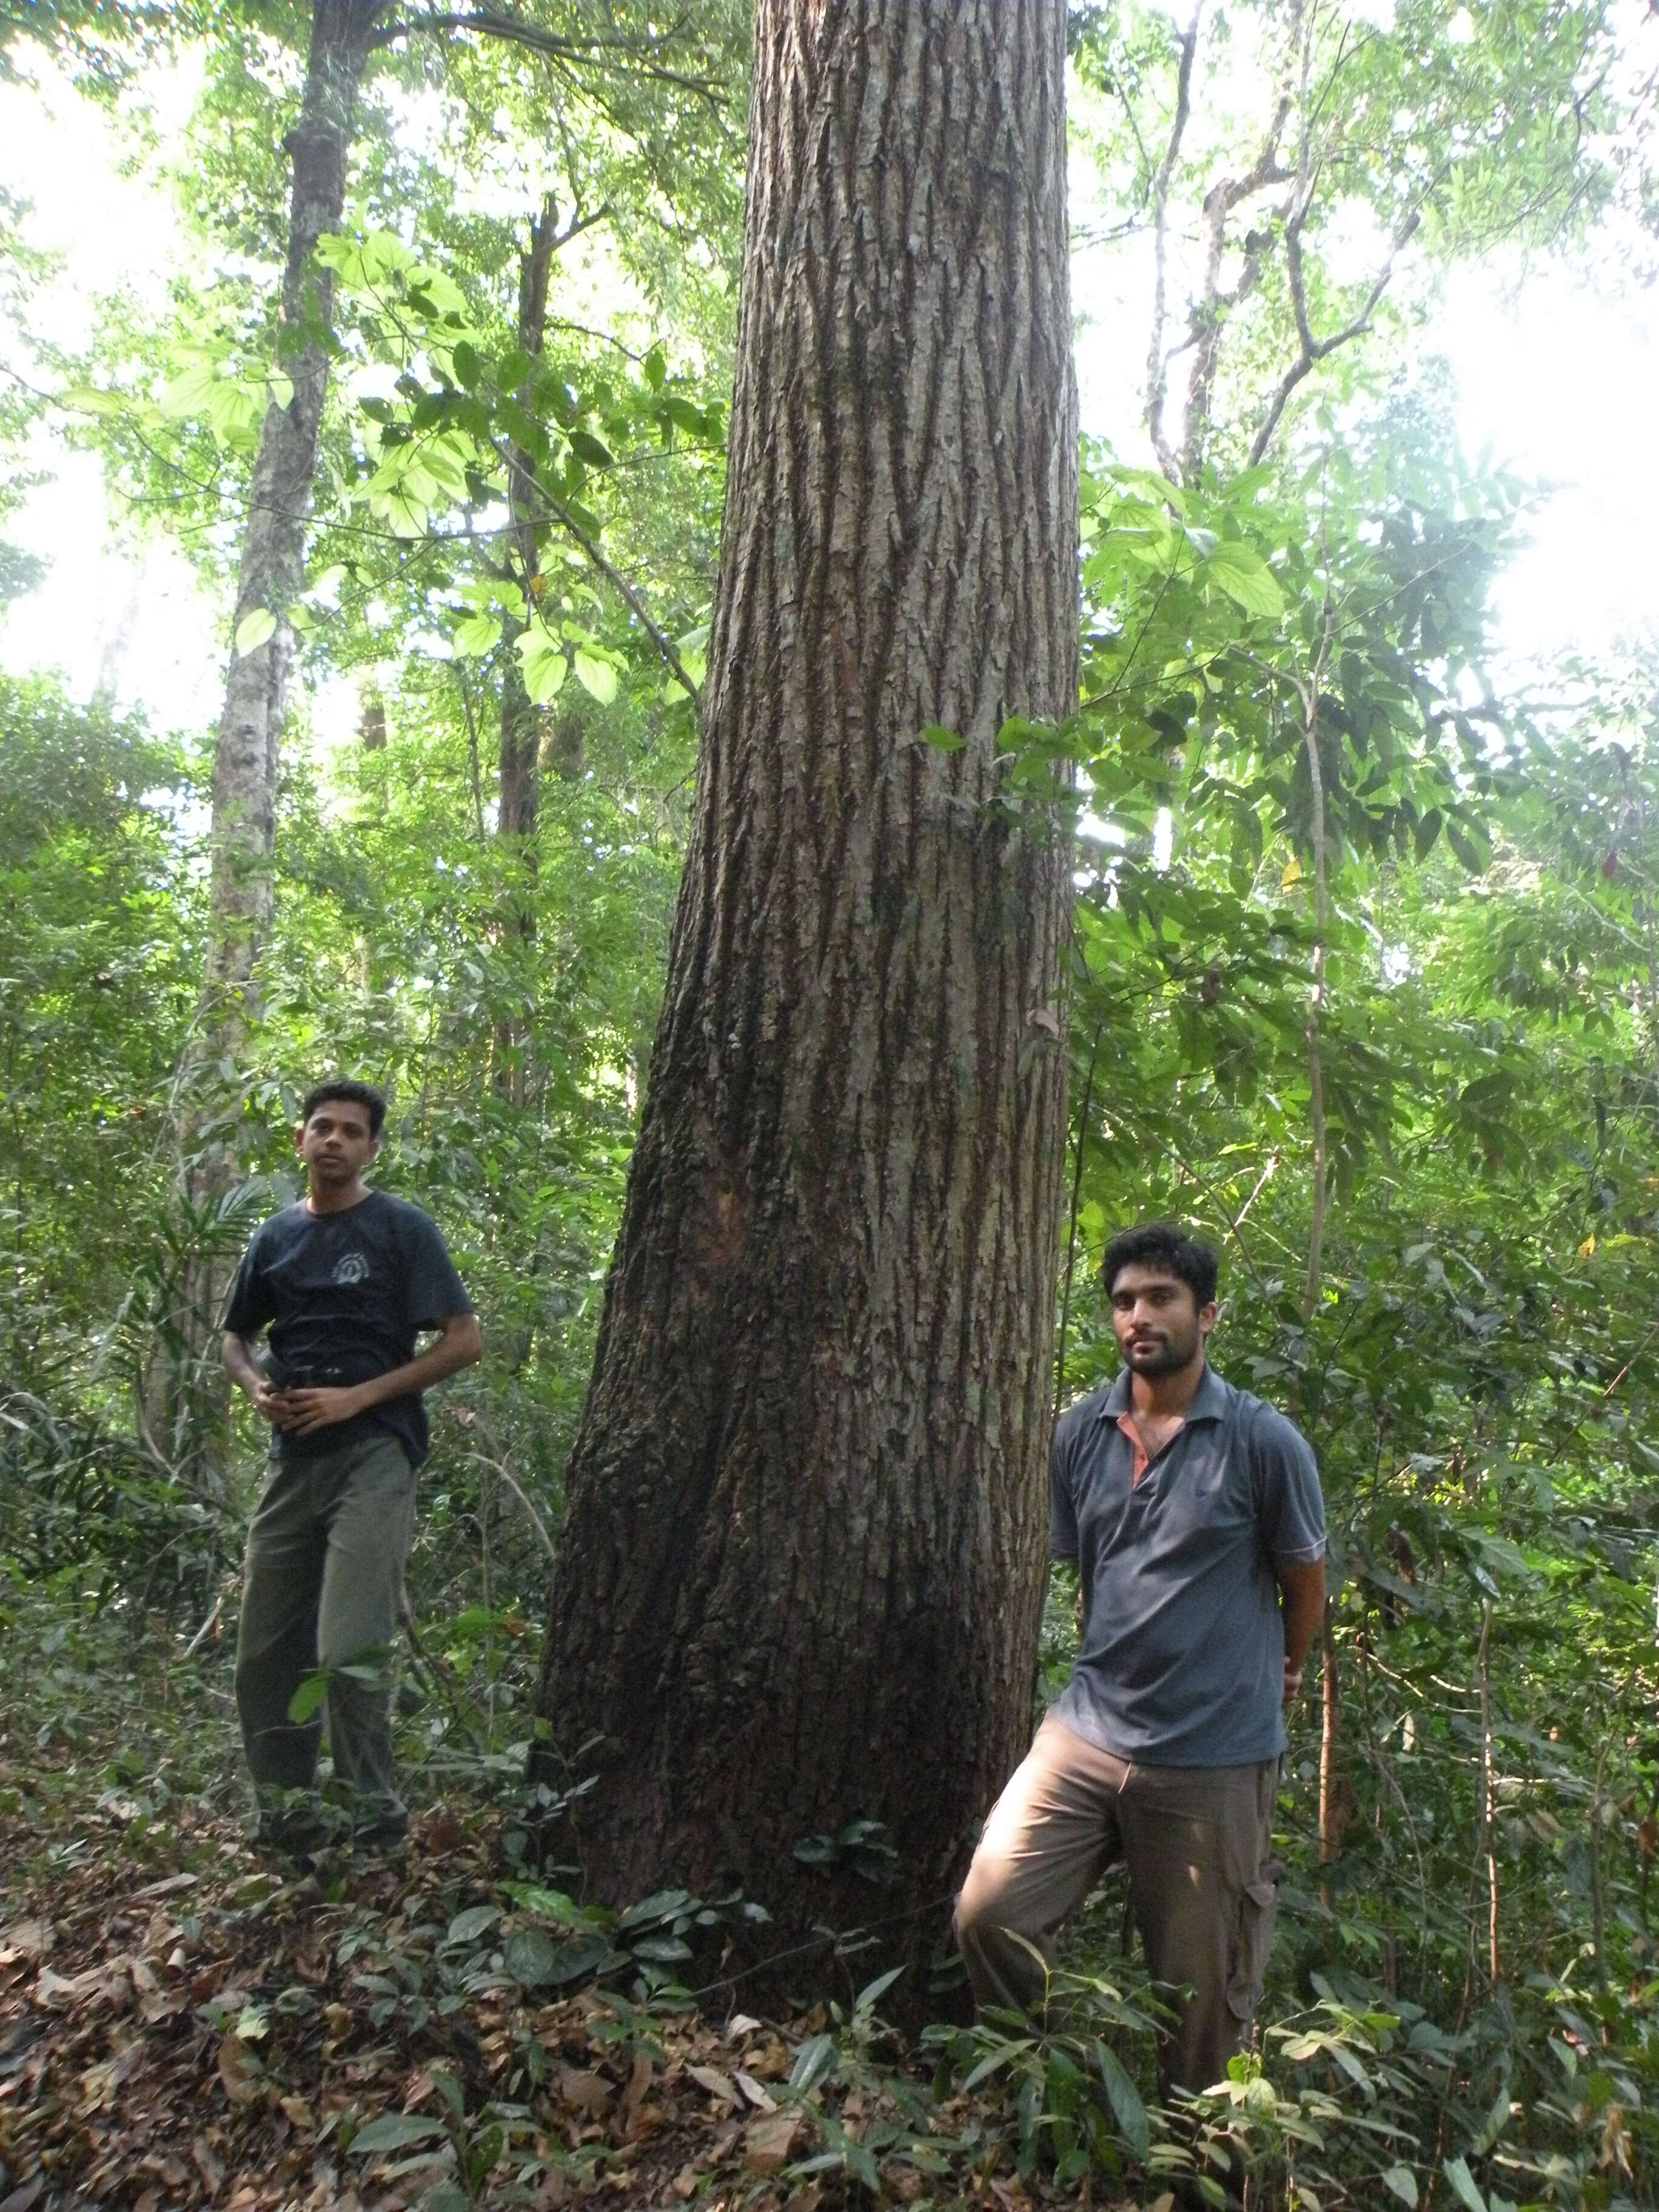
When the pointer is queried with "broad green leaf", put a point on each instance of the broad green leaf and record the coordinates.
(445, 293)
(596, 675)
(542, 656)
(1125, 2101)
(467, 1927)
(530, 1956)
(258, 624)
(307, 1698)
(395, 2131)
(189, 392)
(661, 1950)
(1402, 2182)
(87, 399)
(592, 450)
(1457, 2173)
(1245, 576)
(478, 634)
(941, 740)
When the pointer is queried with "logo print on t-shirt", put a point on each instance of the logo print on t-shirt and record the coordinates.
(351, 1268)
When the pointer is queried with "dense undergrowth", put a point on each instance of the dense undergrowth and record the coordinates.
(184, 2023)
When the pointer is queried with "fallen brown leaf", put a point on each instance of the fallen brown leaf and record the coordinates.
(239, 2070)
(759, 2097)
(769, 2143)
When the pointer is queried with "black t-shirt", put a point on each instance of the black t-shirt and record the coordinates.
(345, 1295)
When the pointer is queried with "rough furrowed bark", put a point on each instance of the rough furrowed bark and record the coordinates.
(800, 1571)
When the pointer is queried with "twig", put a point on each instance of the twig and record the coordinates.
(206, 1628)
(496, 1469)
(568, 521)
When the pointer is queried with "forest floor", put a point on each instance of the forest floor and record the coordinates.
(184, 2022)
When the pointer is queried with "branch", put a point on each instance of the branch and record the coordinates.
(619, 583)
(514, 31)
(1314, 350)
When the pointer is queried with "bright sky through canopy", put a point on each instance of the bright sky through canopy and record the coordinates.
(1556, 367)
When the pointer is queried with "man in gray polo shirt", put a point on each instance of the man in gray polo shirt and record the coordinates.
(1193, 1512)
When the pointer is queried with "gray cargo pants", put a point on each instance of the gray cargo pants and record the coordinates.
(1196, 1841)
(322, 1584)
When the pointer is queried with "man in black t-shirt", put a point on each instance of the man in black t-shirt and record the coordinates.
(347, 1280)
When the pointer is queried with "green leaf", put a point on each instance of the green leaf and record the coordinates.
(467, 1927)
(1245, 576)
(815, 2062)
(1428, 828)
(596, 675)
(307, 1697)
(1403, 2183)
(651, 1911)
(582, 1954)
(258, 624)
(544, 662)
(661, 1950)
(87, 399)
(469, 369)
(395, 2131)
(530, 1956)
(189, 392)
(478, 634)
(1457, 2173)
(592, 450)
(941, 740)
(867, 1996)
(656, 369)
(1125, 2101)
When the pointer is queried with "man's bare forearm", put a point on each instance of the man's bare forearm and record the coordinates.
(1302, 1603)
(240, 1362)
(459, 1346)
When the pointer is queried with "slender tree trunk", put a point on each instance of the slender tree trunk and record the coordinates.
(519, 785)
(518, 782)
(271, 576)
(800, 1573)
(272, 571)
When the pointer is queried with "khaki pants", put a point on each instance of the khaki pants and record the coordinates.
(322, 1584)
(1196, 1841)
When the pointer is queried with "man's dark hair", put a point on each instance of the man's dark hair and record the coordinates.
(1161, 1244)
(351, 1094)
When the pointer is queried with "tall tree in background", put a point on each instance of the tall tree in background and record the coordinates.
(801, 1570)
(271, 577)
(272, 567)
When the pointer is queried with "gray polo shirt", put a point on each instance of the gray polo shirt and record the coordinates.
(1183, 1657)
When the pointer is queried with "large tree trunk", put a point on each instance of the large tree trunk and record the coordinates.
(271, 576)
(800, 1571)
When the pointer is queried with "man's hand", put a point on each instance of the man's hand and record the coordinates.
(1292, 1683)
(320, 1405)
(268, 1400)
